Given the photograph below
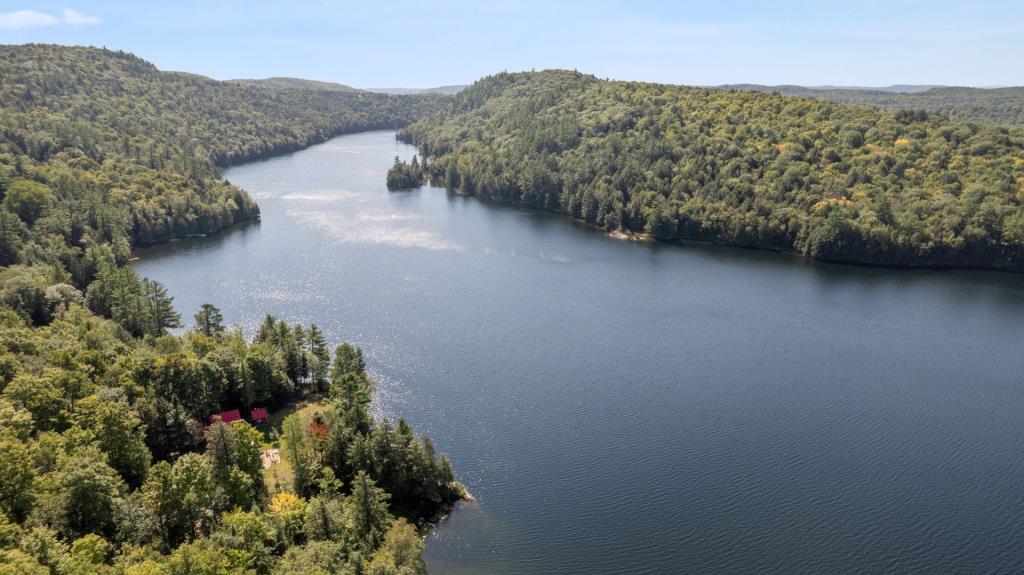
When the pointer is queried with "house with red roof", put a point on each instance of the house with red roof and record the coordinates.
(259, 414)
(230, 416)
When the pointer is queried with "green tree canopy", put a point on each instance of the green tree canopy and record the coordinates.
(27, 199)
(209, 320)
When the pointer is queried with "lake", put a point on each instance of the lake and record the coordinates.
(630, 407)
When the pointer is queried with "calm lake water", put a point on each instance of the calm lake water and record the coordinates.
(624, 407)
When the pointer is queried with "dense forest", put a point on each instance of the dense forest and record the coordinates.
(108, 466)
(110, 462)
(1003, 106)
(831, 181)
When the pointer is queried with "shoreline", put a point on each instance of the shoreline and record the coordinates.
(620, 234)
(627, 235)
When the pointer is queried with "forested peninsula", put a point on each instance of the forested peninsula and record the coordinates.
(125, 449)
(831, 181)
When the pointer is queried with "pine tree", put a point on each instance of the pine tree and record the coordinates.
(347, 359)
(161, 307)
(267, 331)
(209, 320)
(366, 514)
(320, 358)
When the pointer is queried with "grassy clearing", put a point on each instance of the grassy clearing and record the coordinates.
(279, 476)
(272, 428)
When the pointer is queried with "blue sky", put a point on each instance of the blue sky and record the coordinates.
(421, 43)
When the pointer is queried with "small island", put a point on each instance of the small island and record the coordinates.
(406, 176)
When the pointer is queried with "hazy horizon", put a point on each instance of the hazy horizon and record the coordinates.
(421, 44)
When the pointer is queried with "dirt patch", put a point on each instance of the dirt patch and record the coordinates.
(270, 457)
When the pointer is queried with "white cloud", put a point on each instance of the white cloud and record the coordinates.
(20, 19)
(26, 19)
(74, 18)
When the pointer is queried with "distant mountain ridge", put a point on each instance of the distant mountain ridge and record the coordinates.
(287, 83)
(448, 90)
(784, 88)
(1003, 106)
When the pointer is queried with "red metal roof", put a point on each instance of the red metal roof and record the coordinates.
(226, 416)
(259, 414)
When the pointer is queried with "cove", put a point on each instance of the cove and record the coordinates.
(631, 407)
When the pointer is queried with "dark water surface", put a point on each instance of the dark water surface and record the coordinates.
(622, 407)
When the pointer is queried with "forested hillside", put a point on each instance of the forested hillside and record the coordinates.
(831, 181)
(1004, 106)
(128, 150)
(110, 462)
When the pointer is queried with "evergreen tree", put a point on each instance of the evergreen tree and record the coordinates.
(320, 359)
(347, 360)
(209, 320)
(160, 307)
(366, 514)
(325, 518)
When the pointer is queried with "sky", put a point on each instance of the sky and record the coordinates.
(423, 43)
